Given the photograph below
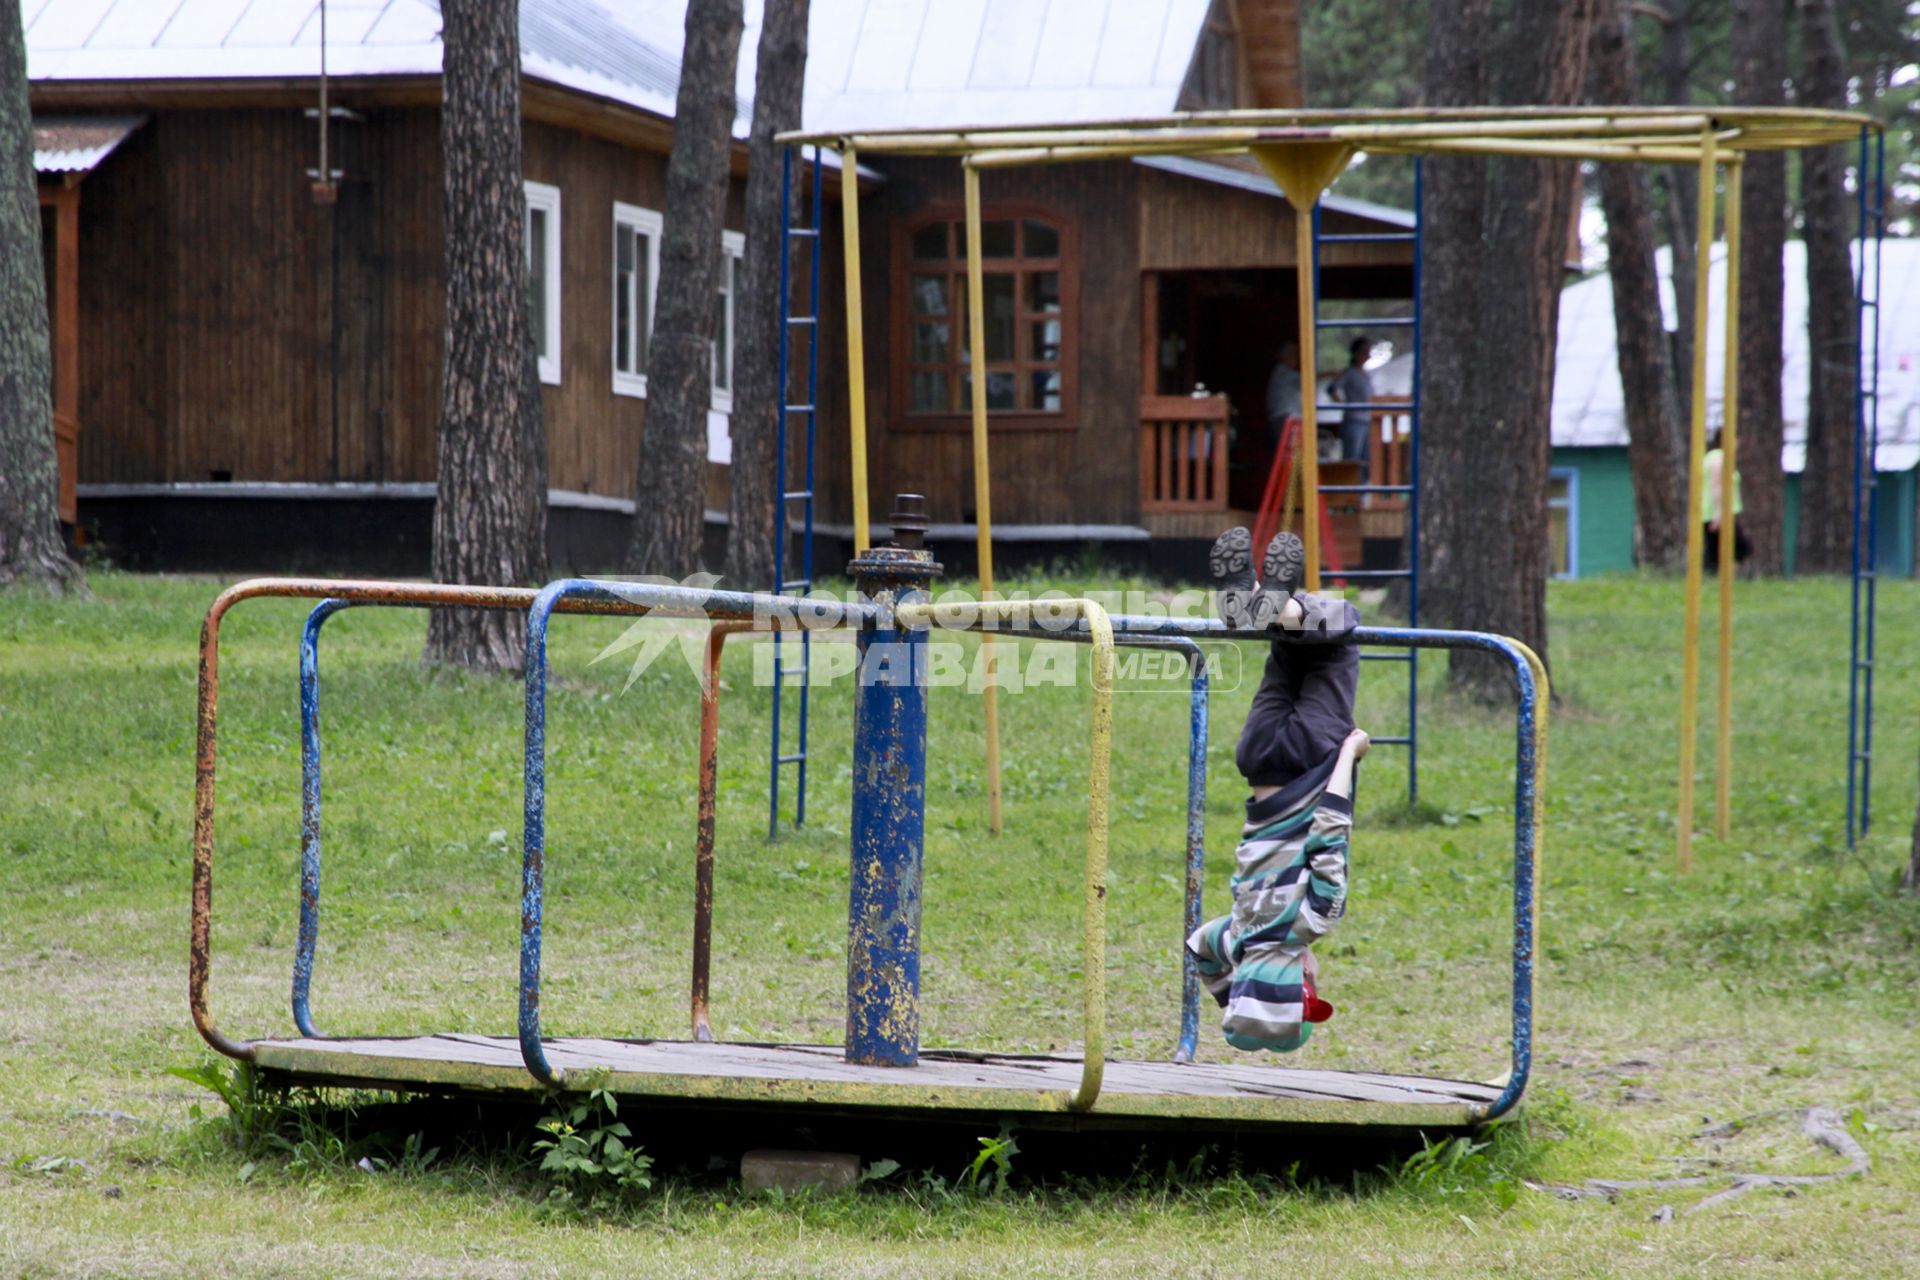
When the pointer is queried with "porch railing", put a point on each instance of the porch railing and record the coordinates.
(1183, 453)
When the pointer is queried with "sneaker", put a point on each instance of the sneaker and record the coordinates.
(1231, 564)
(1312, 1007)
(1284, 571)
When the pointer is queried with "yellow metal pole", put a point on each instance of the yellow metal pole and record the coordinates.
(1309, 466)
(982, 480)
(856, 346)
(1093, 920)
(1729, 456)
(1697, 449)
(1303, 170)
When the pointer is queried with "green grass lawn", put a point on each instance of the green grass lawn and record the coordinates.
(1783, 973)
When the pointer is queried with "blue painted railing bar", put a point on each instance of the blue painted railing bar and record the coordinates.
(659, 601)
(309, 934)
(1196, 820)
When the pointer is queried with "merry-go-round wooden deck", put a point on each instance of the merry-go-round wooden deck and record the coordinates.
(955, 1084)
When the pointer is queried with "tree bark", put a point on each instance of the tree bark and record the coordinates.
(1759, 75)
(1495, 251)
(31, 548)
(1826, 486)
(757, 515)
(670, 495)
(490, 509)
(1679, 211)
(1654, 440)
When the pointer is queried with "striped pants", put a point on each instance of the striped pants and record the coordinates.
(1290, 891)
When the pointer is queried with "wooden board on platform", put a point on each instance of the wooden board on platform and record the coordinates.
(947, 1081)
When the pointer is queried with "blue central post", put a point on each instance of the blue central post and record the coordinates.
(889, 801)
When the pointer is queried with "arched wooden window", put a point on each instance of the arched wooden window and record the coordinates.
(1031, 290)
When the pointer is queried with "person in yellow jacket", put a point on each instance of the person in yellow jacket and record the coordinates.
(1710, 507)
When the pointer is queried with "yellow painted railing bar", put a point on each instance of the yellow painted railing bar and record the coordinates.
(1729, 469)
(1093, 960)
(856, 346)
(1696, 454)
(1637, 152)
(1013, 157)
(1766, 126)
(1349, 130)
(976, 372)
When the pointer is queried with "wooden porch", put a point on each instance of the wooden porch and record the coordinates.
(1186, 489)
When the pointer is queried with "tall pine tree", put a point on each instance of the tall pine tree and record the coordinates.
(1496, 233)
(31, 549)
(670, 494)
(757, 515)
(490, 508)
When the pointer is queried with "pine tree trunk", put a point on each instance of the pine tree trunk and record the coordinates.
(490, 510)
(1654, 439)
(670, 495)
(1678, 211)
(756, 515)
(31, 549)
(1826, 486)
(1759, 73)
(1495, 252)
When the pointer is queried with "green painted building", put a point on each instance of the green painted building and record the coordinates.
(1591, 508)
(1592, 487)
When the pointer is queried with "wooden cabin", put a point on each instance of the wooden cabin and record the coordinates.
(1144, 304)
(248, 347)
(259, 347)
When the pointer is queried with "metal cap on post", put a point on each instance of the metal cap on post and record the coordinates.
(889, 800)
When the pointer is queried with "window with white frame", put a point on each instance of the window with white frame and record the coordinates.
(733, 246)
(636, 274)
(543, 275)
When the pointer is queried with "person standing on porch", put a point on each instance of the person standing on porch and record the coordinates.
(1352, 387)
(1283, 390)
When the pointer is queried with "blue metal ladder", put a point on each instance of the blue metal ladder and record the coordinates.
(787, 495)
(1411, 490)
(1866, 489)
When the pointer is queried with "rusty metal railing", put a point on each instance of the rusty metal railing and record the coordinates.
(346, 592)
(616, 599)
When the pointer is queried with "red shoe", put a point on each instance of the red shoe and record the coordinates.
(1313, 1008)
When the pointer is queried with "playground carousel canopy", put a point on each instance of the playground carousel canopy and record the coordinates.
(1657, 134)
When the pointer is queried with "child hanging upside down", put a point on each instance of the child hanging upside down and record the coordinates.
(1297, 750)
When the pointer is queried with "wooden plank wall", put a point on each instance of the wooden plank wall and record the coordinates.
(248, 301)
(1087, 472)
(593, 435)
(1190, 225)
(123, 288)
(233, 328)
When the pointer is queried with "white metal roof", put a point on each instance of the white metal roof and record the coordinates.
(1589, 408)
(929, 63)
(871, 63)
(600, 47)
